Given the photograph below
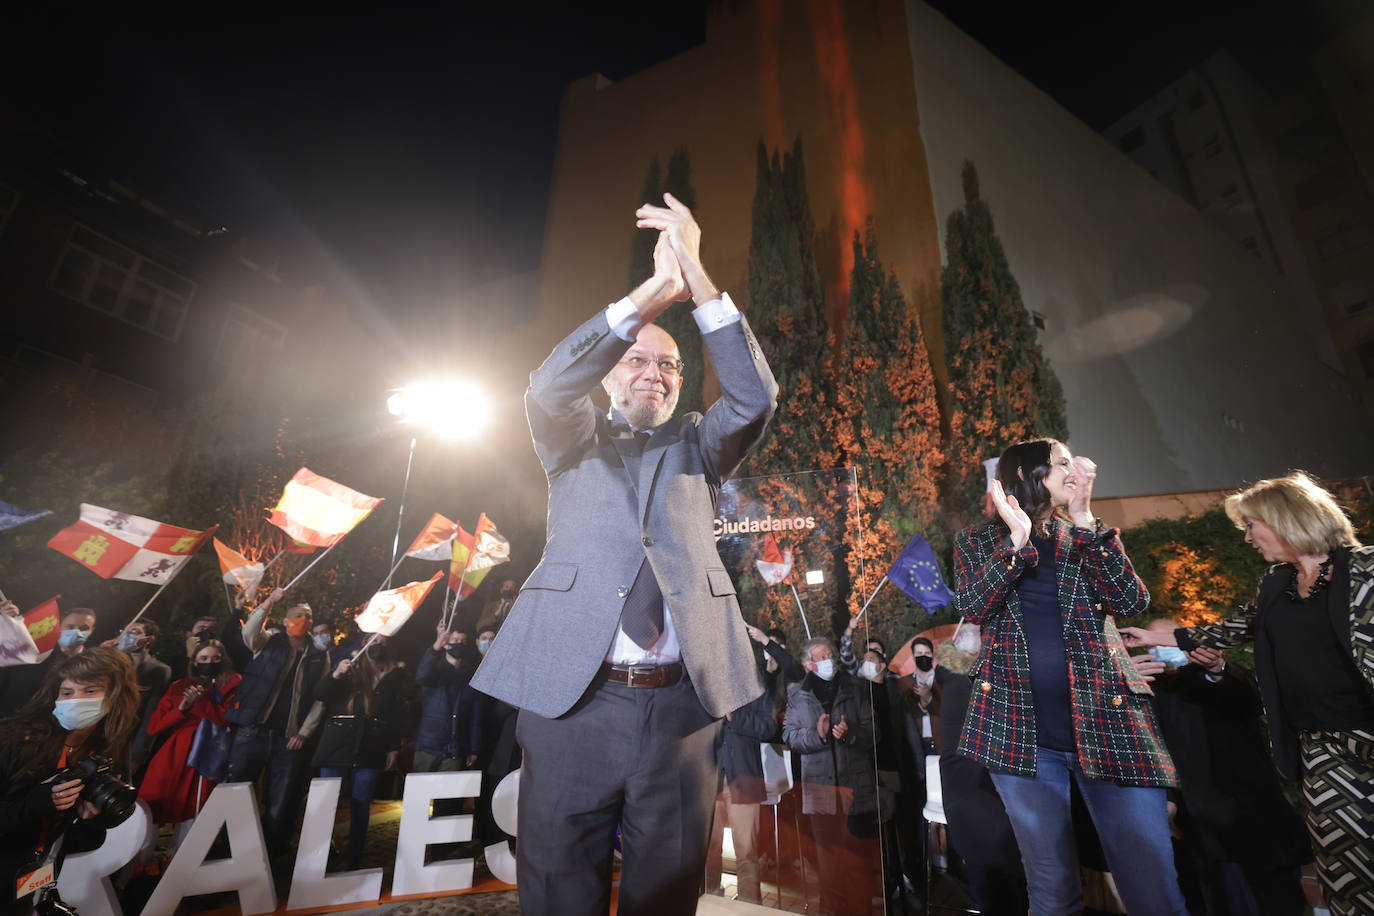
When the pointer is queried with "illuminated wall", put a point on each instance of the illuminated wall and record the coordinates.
(1181, 363)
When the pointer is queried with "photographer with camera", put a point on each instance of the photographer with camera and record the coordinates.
(59, 757)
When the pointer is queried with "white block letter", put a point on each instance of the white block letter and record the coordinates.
(505, 802)
(84, 882)
(231, 805)
(419, 830)
(310, 886)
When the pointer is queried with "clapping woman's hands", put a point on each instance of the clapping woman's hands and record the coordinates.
(1016, 519)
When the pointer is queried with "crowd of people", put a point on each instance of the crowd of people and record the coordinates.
(623, 682)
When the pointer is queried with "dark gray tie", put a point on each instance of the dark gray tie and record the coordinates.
(642, 616)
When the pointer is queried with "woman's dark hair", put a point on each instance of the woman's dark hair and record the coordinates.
(1032, 460)
(35, 727)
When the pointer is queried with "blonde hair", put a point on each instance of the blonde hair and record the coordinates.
(952, 658)
(1299, 510)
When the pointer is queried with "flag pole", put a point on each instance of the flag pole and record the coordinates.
(363, 648)
(274, 559)
(805, 623)
(881, 583)
(467, 564)
(151, 600)
(312, 563)
(400, 514)
(386, 583)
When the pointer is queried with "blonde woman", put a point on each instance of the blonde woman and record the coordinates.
(1312, 625)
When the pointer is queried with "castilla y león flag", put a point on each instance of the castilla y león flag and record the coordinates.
(475, 554)
(318, 511)
(28, 639)
(121, 546)
(388, 610)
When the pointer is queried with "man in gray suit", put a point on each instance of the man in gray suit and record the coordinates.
(625, 646)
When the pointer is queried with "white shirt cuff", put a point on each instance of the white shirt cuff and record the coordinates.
(624, 319)
(716, 314)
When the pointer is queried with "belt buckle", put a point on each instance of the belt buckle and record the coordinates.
(634, 672)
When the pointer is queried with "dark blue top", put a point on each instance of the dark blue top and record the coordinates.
(1049, 662)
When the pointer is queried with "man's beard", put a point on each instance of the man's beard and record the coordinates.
(644, 414)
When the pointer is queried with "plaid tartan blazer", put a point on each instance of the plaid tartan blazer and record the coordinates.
(1113, 722)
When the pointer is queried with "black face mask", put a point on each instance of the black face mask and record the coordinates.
(454, 651)
(924, 662)
(376, 653)
(209, 669)
(203, 635)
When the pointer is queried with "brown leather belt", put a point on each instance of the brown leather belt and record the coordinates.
(644, 676)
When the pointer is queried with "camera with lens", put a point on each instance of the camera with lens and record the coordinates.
(51, 904)
(114, 798)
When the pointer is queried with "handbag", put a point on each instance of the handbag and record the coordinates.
(348, 741)
(209, 754)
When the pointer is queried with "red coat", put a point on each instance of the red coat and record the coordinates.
(170, 786)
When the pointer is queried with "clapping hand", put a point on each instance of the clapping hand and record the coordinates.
(1085, 470)
(1016, 519)
(1139, 638)
(840, 730)
(191, 697)
(1148, 667)
(683, 235)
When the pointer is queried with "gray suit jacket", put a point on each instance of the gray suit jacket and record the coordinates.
(601, 526)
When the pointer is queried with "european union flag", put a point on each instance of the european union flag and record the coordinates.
(918, 574)
(13, 516)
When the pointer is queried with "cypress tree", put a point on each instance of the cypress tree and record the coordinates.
(1002, 389)
(888, 427)
(678, 320)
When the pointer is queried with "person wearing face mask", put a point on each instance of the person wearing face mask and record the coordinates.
(1245, 842)
(364, 699)
(829, 722)
(922, 691)
(18, 683)
(1056, 699)
(494, 612)
(202, 629)
(900, 786)
(1312, 630)
(153, 677)
(86, 706)
(450, 728)
(173, 787)
(273, 715)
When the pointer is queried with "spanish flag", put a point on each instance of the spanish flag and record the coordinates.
(317, 511)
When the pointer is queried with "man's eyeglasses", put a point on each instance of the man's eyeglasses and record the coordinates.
(665, 365)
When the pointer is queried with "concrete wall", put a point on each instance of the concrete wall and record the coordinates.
(1182, 362)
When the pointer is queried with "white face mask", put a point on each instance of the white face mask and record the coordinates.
(77, 714)
(825, 669)
(128, 642)
(322, 640)
(70, 639)
(868, 670)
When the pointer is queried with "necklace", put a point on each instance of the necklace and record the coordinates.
(1319, 584)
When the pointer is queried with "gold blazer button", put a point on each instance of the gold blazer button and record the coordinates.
(985, 686)
(1116, 701)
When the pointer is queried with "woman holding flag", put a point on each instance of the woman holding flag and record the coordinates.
(364, 699)
(192, 759)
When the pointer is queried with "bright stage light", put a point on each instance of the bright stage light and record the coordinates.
(456, 410)
(815, 577)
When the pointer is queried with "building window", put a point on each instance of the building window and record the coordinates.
(1038, 320)
(1132, 140)
(9, 199)
(247, 335)
(117, 281)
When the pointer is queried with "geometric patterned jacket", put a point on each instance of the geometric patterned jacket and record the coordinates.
(1114, 725)
(1349, 614)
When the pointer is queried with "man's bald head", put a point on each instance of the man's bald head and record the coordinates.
(644, 385)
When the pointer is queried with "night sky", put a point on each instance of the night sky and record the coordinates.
(407, 154)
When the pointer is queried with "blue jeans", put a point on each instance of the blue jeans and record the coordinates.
(359, 807)
(1131, 821)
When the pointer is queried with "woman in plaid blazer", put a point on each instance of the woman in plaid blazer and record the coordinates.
(1055, 697)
